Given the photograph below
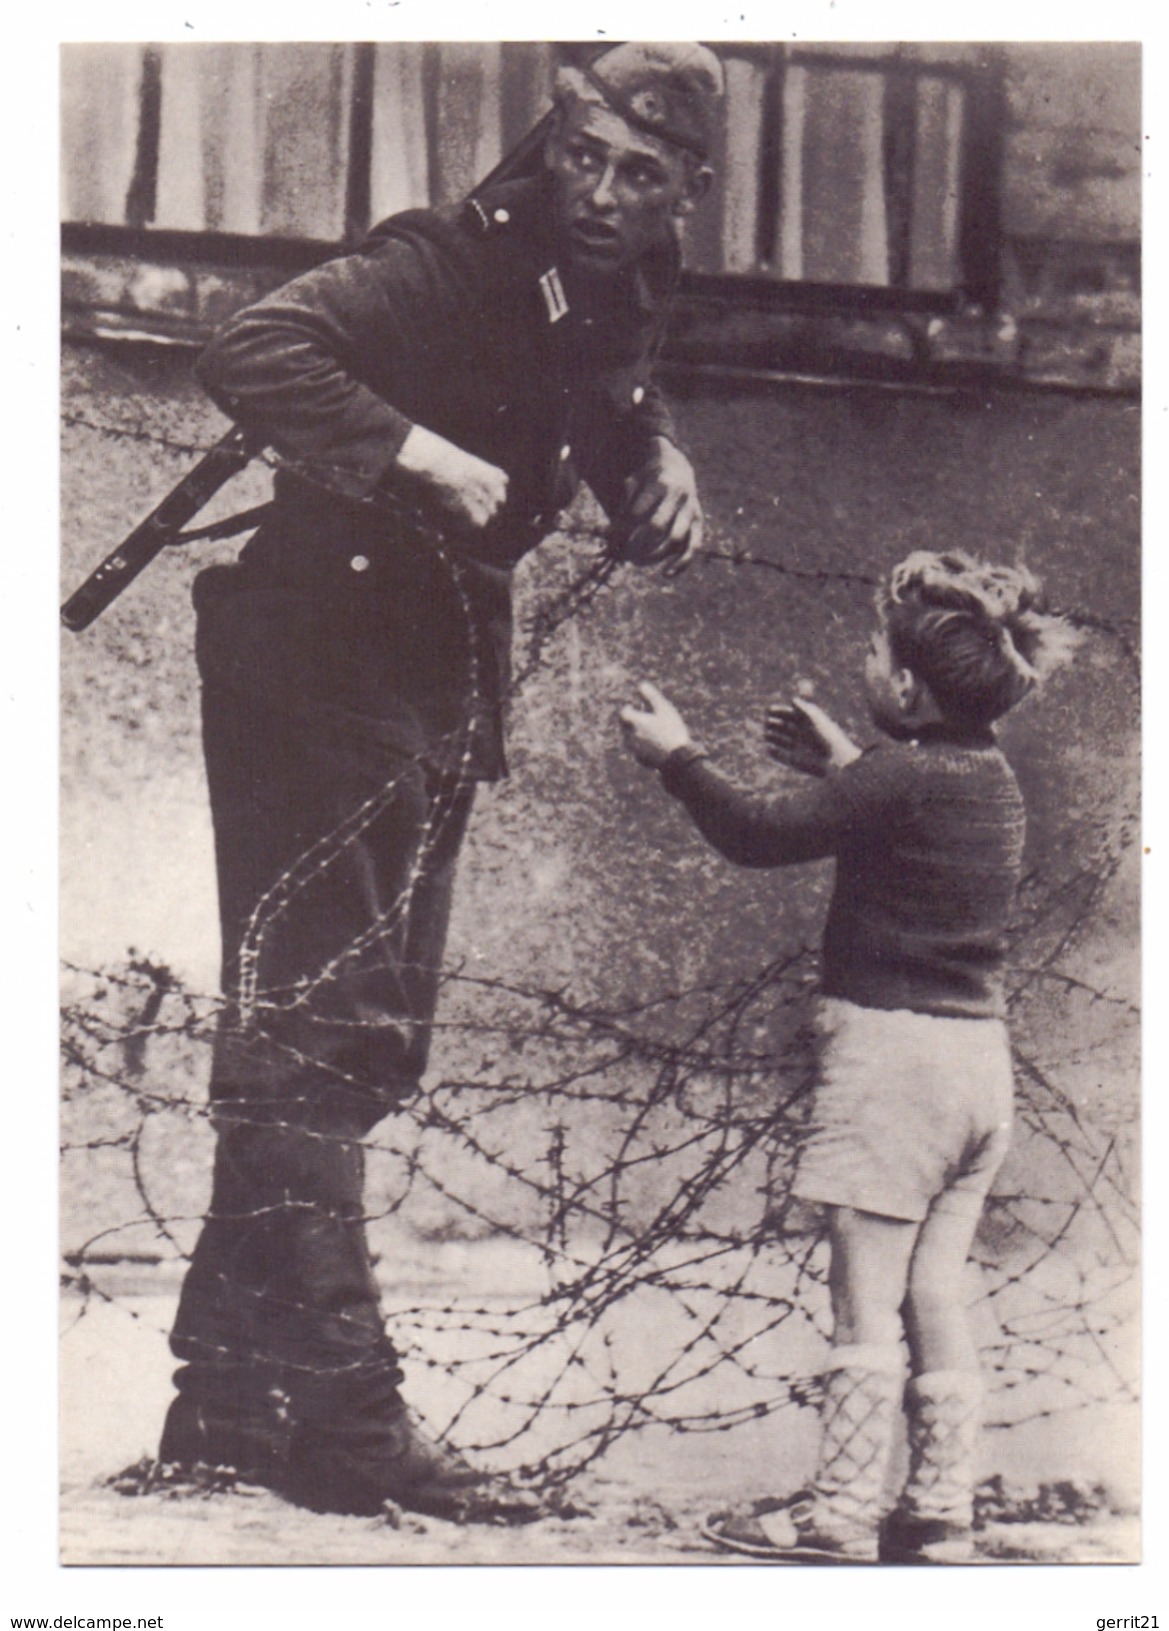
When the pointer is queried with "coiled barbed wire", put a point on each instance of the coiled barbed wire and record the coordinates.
(638, 1164)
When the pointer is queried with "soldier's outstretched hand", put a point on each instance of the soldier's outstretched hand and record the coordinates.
(661, 523)
(655, 731)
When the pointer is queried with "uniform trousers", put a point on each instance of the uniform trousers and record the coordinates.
(336, 859)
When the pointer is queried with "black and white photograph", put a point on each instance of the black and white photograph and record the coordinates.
(600, 812)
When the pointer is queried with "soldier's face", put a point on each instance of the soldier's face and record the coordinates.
(618, 193)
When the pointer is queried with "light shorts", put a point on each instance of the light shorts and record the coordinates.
(911, 1112)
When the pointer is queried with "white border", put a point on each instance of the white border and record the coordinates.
(1003, 1597)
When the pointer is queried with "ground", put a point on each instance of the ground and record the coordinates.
(643, 1503)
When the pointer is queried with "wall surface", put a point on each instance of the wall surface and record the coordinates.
(580, 872)
(627, 1016)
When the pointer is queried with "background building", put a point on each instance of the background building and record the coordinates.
(893, 207)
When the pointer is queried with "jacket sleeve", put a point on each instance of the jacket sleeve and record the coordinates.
(651, 417)
(620, 443)
(297, 364)
(632, 410)
(762, 831)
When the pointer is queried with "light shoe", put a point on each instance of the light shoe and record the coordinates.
(787, 1531)
(838, 1519)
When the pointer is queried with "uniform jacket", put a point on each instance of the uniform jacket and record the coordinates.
(459, 319)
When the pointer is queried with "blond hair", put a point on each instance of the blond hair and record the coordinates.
(978, 635)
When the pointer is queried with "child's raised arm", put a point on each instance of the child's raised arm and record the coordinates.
(750, 830)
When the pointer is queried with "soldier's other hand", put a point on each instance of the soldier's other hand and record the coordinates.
(654, 732)
(470, 491)
(661, 523)
(803, 737)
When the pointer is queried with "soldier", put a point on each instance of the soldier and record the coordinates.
(435, 399)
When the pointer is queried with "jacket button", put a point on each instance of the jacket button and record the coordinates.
(566, 453)
(360, 563)
(638, 395)
(502, 216)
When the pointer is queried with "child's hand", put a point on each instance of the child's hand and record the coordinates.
(803, 737)
(652, 736)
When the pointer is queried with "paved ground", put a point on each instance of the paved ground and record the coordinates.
(643, 1503)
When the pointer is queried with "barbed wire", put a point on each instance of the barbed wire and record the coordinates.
(635, 1158)
(582, 591)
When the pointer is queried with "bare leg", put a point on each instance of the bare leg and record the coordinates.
(936, 1321)
(869, 1276)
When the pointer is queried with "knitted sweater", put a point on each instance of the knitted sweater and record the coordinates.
(928, 840)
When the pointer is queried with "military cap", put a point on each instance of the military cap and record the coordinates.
(668, 90)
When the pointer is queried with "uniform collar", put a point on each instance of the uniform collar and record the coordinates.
(527, 211)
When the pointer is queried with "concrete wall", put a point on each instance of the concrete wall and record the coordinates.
(580, 874)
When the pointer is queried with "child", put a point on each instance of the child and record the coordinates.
(912, 1112)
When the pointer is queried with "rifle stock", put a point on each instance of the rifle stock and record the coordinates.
(161, 527)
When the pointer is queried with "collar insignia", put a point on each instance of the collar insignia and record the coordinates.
(555, 302)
